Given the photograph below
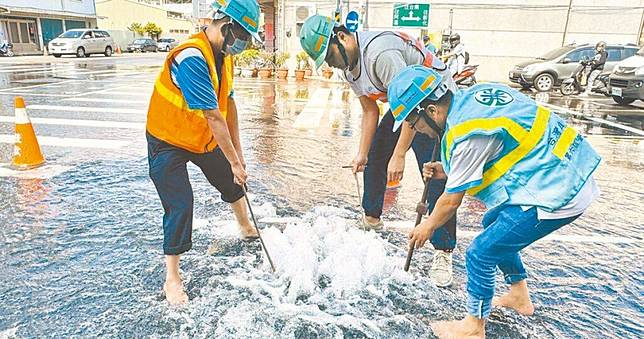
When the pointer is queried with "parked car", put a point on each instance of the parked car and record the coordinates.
(551, 69)
(166, 44)
(143, 45)
(626, 83)
(82, 42)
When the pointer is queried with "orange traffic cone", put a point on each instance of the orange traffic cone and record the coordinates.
(26, 151)
(118, 49)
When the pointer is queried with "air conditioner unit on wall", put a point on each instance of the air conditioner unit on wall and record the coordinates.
(302, 12)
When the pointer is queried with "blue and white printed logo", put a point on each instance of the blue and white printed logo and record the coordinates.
(493, 97)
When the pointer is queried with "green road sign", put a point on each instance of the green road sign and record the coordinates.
(411, 15)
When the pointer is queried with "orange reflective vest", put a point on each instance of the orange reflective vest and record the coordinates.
(169, 117)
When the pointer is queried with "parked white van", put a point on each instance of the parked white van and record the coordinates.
(82, 42)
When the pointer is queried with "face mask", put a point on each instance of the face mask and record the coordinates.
(345, 58)
(237, 46)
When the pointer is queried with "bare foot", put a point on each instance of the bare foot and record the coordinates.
(520, 303)
(174, 293)
(248, 232)
(467, 328)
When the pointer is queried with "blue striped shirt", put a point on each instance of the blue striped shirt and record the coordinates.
(189, 71)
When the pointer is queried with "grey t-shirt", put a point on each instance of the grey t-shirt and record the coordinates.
(384, 55)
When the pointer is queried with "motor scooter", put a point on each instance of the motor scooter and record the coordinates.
(466, 78)
(6, 49)
(577, 82)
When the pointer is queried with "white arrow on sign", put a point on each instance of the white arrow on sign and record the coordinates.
(351, 22)
(411, 17)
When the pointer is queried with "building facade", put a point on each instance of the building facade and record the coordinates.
(497, 33)
(117, 15)
(202, 10)
(31, 24)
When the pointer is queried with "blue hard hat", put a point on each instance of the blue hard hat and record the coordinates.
(410, 87)
(244, 12)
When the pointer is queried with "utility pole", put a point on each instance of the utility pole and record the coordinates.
(451, 18)
(365, 26)
(639, 35)
(565, 33)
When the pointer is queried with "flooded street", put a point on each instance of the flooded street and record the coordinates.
(81, 238)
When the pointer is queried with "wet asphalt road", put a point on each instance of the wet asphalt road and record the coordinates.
(89, 115)
(100, 103)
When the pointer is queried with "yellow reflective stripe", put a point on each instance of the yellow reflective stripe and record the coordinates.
(515, 130)
(526, 145)
(250, 21)
(398, 110)
(175, 99)
(222, 2)
(430, 79)
(565, 140)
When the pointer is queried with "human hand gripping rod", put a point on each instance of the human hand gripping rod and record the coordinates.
(244, 188)
(421, 208)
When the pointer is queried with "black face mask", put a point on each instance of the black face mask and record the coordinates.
(432, 124)
(342, 50)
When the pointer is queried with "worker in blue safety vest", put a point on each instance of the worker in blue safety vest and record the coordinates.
(532, 171)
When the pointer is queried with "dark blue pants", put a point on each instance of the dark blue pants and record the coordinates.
(170, 176)
(375, 177)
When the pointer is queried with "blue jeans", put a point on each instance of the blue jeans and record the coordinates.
(508, 230)
(375, 177)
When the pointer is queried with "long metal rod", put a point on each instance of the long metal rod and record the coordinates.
(257, 228)
(355, 176)
(422, 205)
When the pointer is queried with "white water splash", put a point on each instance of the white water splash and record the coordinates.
(333, 280)
(328, 250)
(9, 333)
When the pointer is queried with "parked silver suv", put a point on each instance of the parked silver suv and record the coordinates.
(82, 42)
(551, 69)
(626, 83)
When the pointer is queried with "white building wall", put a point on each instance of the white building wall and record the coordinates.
(500, 33)
(74, 6)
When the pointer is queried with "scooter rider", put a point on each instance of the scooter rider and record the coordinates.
(369, 60)
(456, 56)
(5, 46)
(596, 66)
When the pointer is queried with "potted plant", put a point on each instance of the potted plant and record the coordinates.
(280, 64)
(265, 64)
(246, 62)
(307, 64)
(327, 72)
(237, 64)
(302, 63)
